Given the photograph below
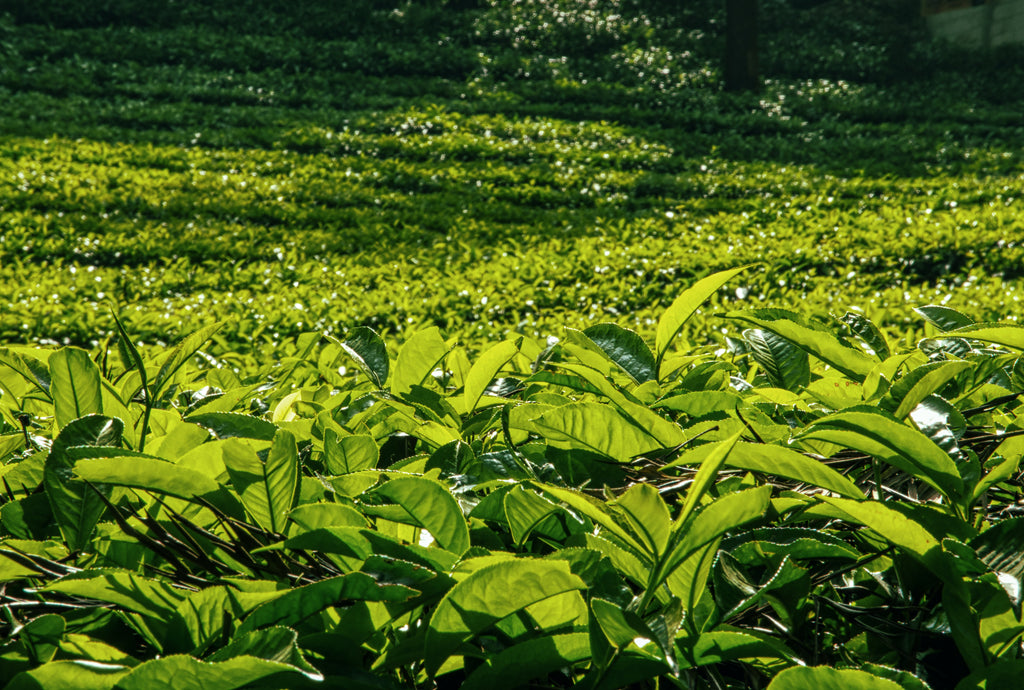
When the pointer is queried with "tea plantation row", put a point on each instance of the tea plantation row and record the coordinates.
(535, 164)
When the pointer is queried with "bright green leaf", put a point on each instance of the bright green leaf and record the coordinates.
(902, 446)
(268, 489)
(76, 675)
(185, 673)
(417, 359)
(431, 507)
(485, 368)
(487, 596)
(683, 307)
(300, 603)
(825, 678)
(178, 356)
(349, 453)
(595, 427)
(75, 386)
(828, 348)
(774, 460)
(647, 515)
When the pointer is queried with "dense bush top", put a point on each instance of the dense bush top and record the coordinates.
(534, 163)
(816, 506)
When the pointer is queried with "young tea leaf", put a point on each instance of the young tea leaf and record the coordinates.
(485, 368)
(75, 387)
(683, 307)
(774, 460)
(595, 427)
(944, 318)
(825, 678)
(853, 362)
(185, 673)
(181, 353)
(874, 433)
(417, 359)
(349, 453)
(269, 489)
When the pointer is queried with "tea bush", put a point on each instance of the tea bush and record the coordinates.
(814, 504)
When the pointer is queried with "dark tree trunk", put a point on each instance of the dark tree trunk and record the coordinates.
(741, 71)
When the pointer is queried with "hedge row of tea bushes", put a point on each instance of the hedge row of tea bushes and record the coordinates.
(816, 505)
(535, 164)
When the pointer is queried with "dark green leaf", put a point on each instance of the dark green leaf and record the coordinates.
(368, 351)
(526, 511)
(75, 505)
(626, 349)
(512, 667)
(1001, 547)
(867, 331)
(1003, 674)
(42, 635)
(944, 318)
(786, 365)
(451, 458)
